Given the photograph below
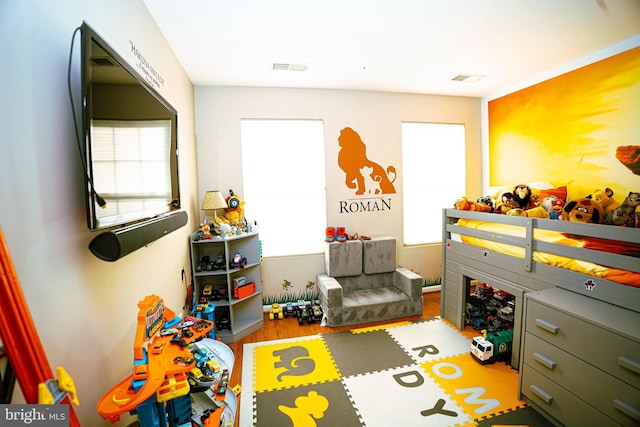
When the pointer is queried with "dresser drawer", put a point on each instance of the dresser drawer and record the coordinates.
(558, 402)
(614, 354)
(609, 395)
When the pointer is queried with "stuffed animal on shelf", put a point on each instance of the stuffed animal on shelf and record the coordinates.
(235, 212)
(464, 204)
(205, 232)
(583, 210)
(553, 206)
(522, 196)
(536, 198)
(537, 212)
(507, 203)
(606, 198)
(486, 200)
(625, 214)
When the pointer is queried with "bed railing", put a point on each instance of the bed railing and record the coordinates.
(530, 244)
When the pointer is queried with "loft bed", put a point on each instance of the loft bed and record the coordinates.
(521, 254)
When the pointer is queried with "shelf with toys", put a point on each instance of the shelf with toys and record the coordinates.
(227, 277)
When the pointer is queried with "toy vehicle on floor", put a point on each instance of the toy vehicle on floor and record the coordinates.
(492, 347)
(275, 312)
(223, 323)
(288, 310)
(303, 314)
(316, 311)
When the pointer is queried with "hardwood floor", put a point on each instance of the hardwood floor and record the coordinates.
(289, 328)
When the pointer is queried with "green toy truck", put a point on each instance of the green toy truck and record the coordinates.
(492, 346)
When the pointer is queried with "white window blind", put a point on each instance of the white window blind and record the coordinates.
(131, 164)
(434, 176)
(284, 184)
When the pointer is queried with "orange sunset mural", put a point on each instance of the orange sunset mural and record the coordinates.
(580, 129)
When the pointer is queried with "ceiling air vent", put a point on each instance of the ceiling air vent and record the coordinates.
(469, 78)
(278, 66)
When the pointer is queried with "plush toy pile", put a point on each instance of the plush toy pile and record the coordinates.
(599, 207)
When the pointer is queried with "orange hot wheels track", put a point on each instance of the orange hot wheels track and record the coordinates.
(20, 338)
(158, 369)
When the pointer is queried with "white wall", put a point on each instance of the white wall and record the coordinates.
(83, 308)
(375, 116)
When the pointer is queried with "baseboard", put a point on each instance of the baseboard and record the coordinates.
(426, 289)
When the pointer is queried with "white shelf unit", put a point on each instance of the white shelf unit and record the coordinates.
(245, 315)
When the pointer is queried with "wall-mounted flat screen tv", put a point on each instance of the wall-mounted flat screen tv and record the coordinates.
(130, 140)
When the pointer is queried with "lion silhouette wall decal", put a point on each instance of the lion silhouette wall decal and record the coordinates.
(366, 176)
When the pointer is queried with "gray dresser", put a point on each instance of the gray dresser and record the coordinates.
(580, 360)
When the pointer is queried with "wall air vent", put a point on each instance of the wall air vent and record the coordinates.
(469, 78)
(279, 66)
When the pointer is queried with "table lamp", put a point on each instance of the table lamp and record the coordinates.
(213, 200)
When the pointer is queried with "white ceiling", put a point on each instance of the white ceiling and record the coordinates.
(413, 46)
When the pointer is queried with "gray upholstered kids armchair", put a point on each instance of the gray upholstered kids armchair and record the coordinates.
(362, 283)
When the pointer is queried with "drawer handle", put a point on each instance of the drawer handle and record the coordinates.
(547, 326)
(629, 364)
(627, 409)
(541, 393)
(541, 358)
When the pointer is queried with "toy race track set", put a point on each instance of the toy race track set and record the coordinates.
(180, 374)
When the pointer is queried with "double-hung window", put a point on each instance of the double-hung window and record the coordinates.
(283, 170)
(433, 166)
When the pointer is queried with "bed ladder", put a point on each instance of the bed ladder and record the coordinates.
(26, 360)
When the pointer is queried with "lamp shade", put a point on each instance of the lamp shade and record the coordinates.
(213, 200)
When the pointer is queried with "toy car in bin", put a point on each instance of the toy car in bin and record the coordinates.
(237, 261)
